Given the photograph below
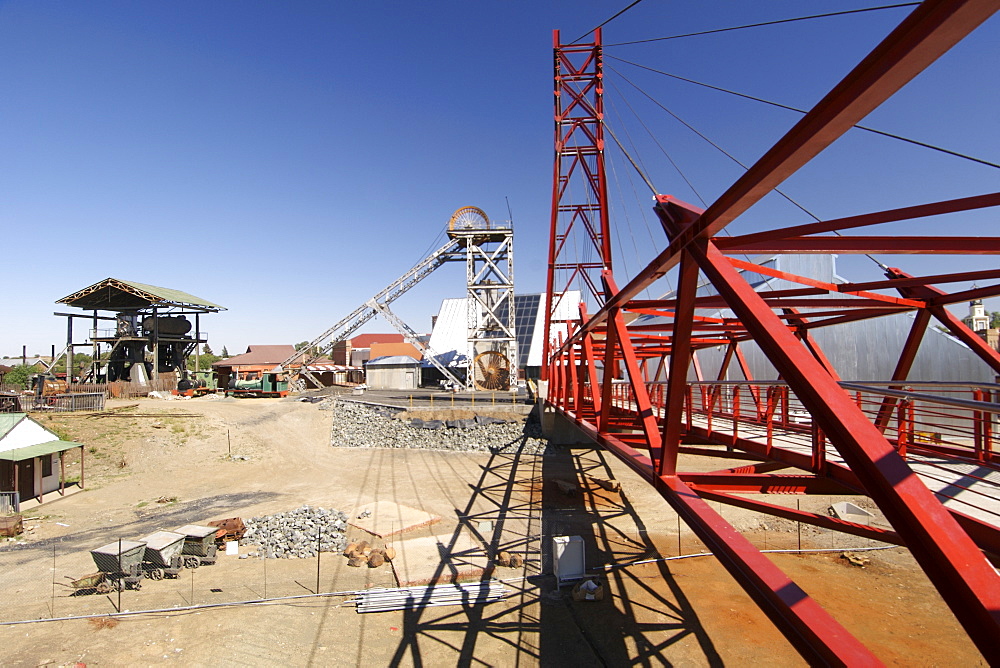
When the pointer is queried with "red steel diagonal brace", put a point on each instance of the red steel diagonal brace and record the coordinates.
(680, 358)
(951, 560)
(647, 418)
(807, 626)
(945, 317)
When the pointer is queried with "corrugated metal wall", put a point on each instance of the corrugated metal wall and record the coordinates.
(391, 377)
(864, 350)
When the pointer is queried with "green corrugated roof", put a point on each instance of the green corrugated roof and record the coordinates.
(115, 292)
(170, 295)
(8, 421)
(39, 450)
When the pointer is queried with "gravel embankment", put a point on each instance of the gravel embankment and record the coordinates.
(356, 426)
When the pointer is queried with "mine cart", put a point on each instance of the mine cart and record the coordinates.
(163, 555)
(199, 545)
(121, 562)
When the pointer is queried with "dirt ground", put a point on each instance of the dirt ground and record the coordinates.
(159, 464)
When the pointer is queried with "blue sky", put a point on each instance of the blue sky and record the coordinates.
(288, 160)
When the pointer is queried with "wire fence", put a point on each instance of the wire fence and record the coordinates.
(58, 579)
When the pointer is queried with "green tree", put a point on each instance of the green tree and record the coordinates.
(225, 353)
(206, 350)
(994, 319)
(204, 363)
(19, 375)
(81, 364)
(301, 344)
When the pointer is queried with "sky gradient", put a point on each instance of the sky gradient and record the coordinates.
(288, 160)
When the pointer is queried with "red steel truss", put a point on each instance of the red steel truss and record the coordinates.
(598, 373)
(579, 184)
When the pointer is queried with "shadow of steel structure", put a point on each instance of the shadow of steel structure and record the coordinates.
(586, 358)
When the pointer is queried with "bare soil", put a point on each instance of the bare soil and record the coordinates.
(161, 464)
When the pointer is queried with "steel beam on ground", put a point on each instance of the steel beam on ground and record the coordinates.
(795, 515)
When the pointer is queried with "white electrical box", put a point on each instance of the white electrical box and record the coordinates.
(568, 559)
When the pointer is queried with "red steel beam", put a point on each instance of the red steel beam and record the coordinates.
(946, 318)
(951, 560)
(814, 519)
(896, 283)
(921, 38)
(818, 637)
(680, 359)
(764, 483)
(883, 245)
(864, 220)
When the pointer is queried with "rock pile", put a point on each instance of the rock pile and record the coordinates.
(357, 426)
(296, 534)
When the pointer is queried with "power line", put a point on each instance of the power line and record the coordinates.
(866, 128)
(606, 22)
(765, 23)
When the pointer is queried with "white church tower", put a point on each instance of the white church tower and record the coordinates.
(977, 314)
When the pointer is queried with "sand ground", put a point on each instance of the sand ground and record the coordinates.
(158, 465)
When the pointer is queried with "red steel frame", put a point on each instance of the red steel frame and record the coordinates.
(579, 183)
(779, 322)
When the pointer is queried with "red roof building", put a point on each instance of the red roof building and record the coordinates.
(355, 351)
(254, 361)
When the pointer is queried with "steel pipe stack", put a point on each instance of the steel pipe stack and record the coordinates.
(409, 598)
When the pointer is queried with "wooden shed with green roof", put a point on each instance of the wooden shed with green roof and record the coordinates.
(32, 460)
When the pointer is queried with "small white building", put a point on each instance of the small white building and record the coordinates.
(32, 459)
(397, 372)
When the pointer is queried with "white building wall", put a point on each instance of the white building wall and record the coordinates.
(49, 483)
(27, 432)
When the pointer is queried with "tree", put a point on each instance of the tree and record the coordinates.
(994, 319)
(81, 364)
(301, 344)
(19, 375)
(225, 353)
(206, 350)
(204, 363)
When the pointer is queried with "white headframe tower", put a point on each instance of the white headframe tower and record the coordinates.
(489, 260)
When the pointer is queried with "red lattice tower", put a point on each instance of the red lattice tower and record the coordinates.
(579, 239)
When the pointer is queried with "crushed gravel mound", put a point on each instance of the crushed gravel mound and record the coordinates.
(296, 534)
(358, 426)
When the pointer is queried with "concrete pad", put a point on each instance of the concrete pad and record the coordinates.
(388, 518)
(427, 560)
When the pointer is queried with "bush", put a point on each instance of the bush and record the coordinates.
(19, 375)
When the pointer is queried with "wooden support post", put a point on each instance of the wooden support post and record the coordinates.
(40, 492)
(197, 346)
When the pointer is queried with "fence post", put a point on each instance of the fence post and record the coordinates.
(319, 551)
(736, 413)
(901, 427)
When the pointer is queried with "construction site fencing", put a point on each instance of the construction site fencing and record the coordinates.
(127, 390)
(62, 403)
